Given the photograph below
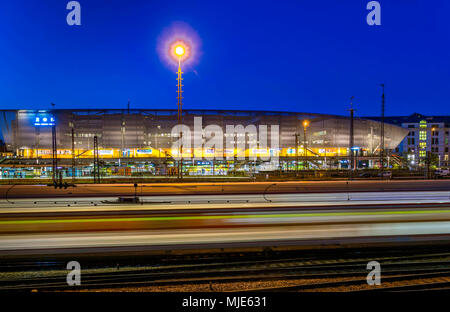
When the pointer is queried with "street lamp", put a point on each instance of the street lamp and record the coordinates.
(179, 43)
(180, 51)
(305, 142)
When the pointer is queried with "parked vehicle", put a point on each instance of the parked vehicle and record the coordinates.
(386, 174)
(440, 173)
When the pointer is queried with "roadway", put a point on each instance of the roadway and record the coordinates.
(95, 243)
(172, 189)
(213, 202)
(98, 225)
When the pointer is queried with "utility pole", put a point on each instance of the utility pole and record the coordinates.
(38, 132)
(305, 143)
(180, 118)
(73, 154)
(54, 155)
(122, 134)
(96, 162)
(54, 148)
(382, 133)
(296, 154)
(351, 143)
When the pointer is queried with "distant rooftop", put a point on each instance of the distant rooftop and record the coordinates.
(169, 111)
(414, 118)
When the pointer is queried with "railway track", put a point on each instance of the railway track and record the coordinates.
(439, 279)
(399, 273)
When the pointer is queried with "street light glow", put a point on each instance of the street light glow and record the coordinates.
(179, 44)
(179, 50)
(305, 123)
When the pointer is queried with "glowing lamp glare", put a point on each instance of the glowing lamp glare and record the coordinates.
(179, 50)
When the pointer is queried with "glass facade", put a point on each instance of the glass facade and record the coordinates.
(140, 142)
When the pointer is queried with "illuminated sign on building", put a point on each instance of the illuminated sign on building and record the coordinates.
(106, 152)
(44, 121)
(145, 151)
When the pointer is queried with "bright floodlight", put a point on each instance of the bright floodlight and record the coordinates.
(179, 50)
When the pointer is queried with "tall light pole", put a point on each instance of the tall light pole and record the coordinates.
(179, 52)
(96, 161)
(54, 155)
(296, 154)
(351, 143)
(382, 133)
(54, 149)
(73, 150)
(305, 142)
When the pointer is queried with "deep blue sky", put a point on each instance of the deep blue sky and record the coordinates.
(306, 56)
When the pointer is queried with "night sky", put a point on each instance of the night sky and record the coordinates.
(305, 56)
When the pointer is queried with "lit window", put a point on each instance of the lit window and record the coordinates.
(423, 135)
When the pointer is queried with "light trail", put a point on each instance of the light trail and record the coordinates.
(215, 238)
(174, 218)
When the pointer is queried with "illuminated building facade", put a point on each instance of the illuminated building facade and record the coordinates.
(140, 141)
(427, 139)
